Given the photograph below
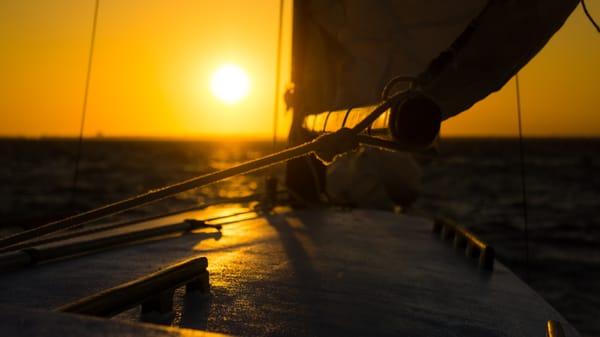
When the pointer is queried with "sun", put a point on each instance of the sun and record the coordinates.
(230, 83)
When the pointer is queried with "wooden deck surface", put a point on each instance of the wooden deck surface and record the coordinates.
(311, 272)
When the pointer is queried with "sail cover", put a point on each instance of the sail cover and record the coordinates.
(345, 51)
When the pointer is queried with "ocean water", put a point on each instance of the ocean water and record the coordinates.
(476, 182)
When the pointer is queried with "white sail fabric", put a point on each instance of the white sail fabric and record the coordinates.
(347, 50)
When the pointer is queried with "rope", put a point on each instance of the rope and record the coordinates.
(385, 93)
(92, 229)
(326, 147)
(392, 146)
(346, 117)
(589, 16)
(85, 103)
(323, 146)
(523, 178)
(159, 194)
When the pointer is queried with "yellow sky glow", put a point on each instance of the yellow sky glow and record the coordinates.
(154, 62)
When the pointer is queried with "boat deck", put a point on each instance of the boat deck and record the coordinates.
(306, 272)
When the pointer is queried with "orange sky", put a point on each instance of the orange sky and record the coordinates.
(154, 59)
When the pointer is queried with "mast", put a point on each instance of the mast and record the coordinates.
(304, 177)
(277, 72)
(299, 15)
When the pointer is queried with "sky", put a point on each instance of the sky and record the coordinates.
(153, 63)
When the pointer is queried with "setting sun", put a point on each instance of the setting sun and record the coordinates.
(230, 83)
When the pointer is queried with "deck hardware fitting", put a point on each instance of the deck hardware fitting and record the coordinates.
(460, 242)
(200, 285)
(554, 329)
(161, 303)
(447, 232)
(464, 240)
(197, 224)
(154, 292)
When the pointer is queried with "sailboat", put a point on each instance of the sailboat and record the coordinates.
(365, 73)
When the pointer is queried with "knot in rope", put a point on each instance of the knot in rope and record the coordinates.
(331, 145)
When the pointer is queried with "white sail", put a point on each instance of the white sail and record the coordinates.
(347, 50)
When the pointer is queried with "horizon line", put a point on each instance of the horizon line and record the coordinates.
(237, 138)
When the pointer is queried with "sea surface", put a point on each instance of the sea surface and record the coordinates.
(477, 182)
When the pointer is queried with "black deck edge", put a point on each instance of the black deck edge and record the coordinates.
(10, 261)
(154, 291)
(20, 322)
(467, 241)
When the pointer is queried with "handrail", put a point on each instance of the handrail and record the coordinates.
(148, 290)
(464, 239)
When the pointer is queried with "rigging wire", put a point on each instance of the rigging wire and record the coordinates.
(85, 102)
(523, 178)
(589, 16)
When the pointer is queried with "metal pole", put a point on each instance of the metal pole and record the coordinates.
(277, 73)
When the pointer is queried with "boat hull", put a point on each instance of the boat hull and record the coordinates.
(306, 272)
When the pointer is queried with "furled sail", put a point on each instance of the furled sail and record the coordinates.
(345, 51)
